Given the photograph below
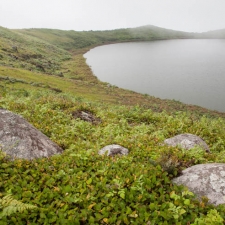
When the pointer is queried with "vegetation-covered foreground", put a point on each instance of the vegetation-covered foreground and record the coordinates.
(81, 187)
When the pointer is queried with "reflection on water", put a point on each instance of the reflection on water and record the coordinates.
(191, 71)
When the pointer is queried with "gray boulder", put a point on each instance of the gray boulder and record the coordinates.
(187, 141)
(113, 150)
(19, 139)
(205, 180)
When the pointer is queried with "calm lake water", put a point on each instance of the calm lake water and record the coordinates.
(190, 71)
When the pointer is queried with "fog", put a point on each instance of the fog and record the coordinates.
(183, 15)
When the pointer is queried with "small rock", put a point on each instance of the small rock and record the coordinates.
(205, 180)
(86, 116)
(14, 48)
(187, 141)
(113, 150)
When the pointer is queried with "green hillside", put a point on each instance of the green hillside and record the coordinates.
(71, 40)
(23, 51)
(46, 80)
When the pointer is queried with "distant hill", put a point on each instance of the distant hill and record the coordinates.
(70, 40)
(220, 34)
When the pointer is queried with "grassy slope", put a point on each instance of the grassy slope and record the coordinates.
(80, 187)
(71, 40)
(31, 54)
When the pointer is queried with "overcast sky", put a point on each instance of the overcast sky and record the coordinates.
(185, 15)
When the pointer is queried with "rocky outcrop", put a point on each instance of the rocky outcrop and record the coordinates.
(113, 150)
(187, 141)
(205, 180)
(19, 139)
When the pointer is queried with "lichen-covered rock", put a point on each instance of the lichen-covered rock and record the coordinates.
(205, 180)
(19, 139)
(113, 150)
(187, 141)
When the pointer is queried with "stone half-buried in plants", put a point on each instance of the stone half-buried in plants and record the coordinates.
(19, 139)
(205, 180)
(187, 141)
(86, 116)
(112, 150)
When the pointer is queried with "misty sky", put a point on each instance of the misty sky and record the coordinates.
(185, 15)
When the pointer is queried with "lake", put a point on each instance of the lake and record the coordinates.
(191, 71)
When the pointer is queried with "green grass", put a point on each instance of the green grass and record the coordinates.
(79, 186)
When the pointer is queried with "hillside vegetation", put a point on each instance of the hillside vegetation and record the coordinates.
(23, 51)
(71, 40)
(79, 186)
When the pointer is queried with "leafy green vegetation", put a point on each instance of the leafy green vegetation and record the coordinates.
(212, 218)
(11, 206)
(80, 186)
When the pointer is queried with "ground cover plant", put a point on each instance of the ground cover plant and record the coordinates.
(79, 186)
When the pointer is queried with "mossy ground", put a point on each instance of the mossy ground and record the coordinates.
(81, 187)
